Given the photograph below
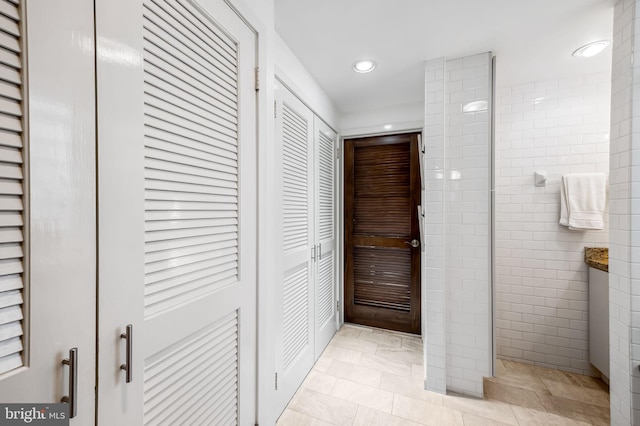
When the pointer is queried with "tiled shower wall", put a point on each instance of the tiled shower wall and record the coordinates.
(541, 280)
(457, 256)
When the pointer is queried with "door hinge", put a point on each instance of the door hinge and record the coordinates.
(337, 153)
(275, 109)
(257, 71)
(337, 305)
(276, 381)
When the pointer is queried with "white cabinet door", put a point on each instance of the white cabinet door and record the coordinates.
(47, 198)
(294, 296)
(306, 296)
(325, 218)
(177, 204)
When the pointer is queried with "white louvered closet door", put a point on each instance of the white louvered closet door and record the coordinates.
(325, 217)
(295, 341)
(189, 186)
(47, 201)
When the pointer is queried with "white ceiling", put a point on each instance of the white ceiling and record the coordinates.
(532, 40)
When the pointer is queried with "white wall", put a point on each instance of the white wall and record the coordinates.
(396, 118)
(559, 126)
(289, 69)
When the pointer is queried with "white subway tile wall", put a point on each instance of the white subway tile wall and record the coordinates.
(466, 222)
(541, 287)
(623, 205)
(434, 250)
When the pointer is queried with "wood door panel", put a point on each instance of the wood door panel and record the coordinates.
(382, 271)
(382, 190)
(382, 277)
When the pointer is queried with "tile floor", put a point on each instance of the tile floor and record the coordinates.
(373, 377)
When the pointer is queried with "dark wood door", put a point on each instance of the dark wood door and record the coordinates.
(382, 268)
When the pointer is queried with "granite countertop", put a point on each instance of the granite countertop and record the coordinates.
(597, 257)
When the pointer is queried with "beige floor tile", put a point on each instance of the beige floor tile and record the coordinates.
(355, 373)
(323, 364)
(473, 420)
(410, 388)
(417, 373)
(342, 354)
(512, 395)
(364, 395)
(400, 354)
(293, 418)
(382, 338)
(348, 331)
(491, 410)
(529, 417)
(413, 343)
(324, 407)
(522, 381)
(578, 393)
(535, 371)
(370, 417)
(319, 382)
(355, 344)
(425, 413)
(588, 382)
(385, 365)
(574, 409)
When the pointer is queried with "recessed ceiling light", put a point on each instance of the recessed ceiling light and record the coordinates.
(591, 49)
(387, 127)
(364, 66)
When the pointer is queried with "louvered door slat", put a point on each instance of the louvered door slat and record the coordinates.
(181, 378)
(296, 336)
(182, 41)
(215, 40)
(182, 81)
(162, 139)
(159, 89)
(162, 49)
(295, 183)
(163, 83)
(11, 189)
(9, 9)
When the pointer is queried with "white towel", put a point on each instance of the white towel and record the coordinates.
(583, 198)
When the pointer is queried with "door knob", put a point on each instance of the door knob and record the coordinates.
(413, 243)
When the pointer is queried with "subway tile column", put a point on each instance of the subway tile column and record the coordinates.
(434, 252)
(624, 210)
(457, 139)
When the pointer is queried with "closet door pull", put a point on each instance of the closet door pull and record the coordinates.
(72, 398)
(128, 336)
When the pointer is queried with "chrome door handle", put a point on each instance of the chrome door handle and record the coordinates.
(413, 243)
(128, 336)
(72, 398)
